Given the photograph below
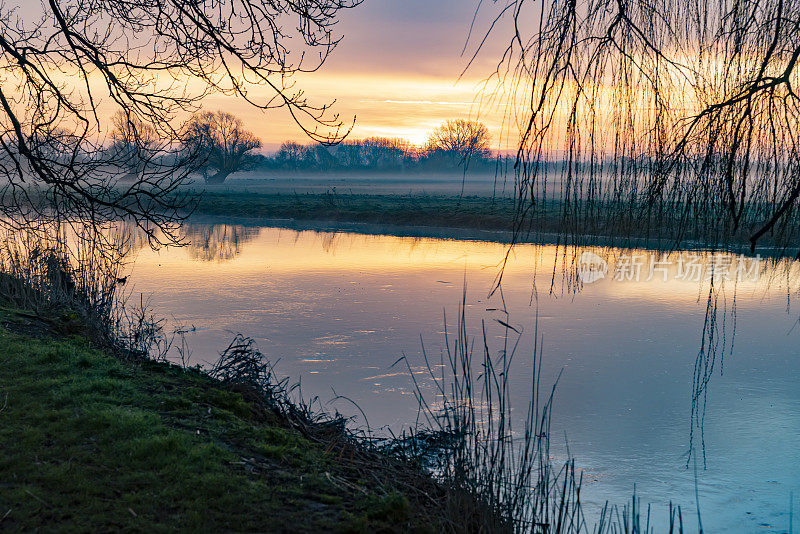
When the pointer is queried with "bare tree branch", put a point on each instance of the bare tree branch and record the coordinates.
(146, 63)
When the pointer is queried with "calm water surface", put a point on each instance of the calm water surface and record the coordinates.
(337, 310)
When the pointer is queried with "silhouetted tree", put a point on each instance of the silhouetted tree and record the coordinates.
(155, 61)
(220, 142)
(459, 142)
(290, 155)
(385, 153)
(378, 153)
(318, 157)
(134, 145)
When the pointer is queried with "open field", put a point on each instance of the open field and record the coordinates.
(500, 184)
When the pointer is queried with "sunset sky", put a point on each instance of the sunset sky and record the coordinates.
(397, 70)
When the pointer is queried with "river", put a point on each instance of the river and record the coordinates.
(336, 310)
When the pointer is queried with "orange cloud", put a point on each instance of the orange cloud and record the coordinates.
(383, 105)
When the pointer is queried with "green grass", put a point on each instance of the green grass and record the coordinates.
(92, 443)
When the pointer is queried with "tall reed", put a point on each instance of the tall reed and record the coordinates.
(75, 274)
(500, 478)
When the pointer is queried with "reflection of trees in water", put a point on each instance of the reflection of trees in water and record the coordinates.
(217, 242)
(136, 238)
(206, 242)
(329, 242)
(719, 334)
(719, 331)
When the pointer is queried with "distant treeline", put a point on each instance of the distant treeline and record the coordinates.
(219, 145)
(216, 144)
(374, 154)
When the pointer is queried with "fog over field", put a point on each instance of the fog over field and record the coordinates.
(484, 184)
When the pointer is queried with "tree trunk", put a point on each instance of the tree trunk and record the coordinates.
(217, 178)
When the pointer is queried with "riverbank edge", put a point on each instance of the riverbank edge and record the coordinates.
(461, 218)
(459, 234)
(95, 442)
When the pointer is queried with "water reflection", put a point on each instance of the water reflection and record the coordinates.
(218, 242)
(205, 242)
(642, 358)
(716, 277)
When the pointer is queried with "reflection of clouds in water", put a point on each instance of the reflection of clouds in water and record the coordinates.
(633, 272)
(386, 375)
(337, 339)
(632, 275)
(713, 278)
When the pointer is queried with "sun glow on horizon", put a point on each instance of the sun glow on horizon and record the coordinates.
(383, 105)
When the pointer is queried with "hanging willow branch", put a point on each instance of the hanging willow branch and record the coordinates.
(657, 119)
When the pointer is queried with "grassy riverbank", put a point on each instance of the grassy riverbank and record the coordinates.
(93, 443)
(449, 211)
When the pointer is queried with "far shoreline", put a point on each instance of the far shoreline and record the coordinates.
(501, 237)
(413, 215)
